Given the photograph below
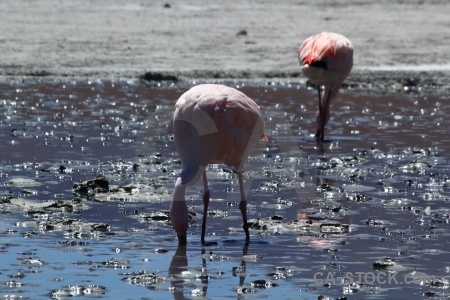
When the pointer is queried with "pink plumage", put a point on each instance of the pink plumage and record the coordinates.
(212, 124)
(326, 59)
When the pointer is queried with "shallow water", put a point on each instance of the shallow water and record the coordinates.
(363, 215)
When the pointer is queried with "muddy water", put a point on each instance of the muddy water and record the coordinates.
(87, 171)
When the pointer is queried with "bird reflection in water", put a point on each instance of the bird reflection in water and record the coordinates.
(178, 271)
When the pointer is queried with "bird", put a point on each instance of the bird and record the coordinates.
(326, 59)
(212, 124)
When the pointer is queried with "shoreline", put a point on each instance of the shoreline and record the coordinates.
(389, 80)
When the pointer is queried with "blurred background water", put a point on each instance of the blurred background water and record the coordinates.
(87, 170)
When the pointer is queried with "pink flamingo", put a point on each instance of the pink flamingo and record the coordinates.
(326, 59)
(212, 124)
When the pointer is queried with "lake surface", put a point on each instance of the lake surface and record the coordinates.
(87, 170)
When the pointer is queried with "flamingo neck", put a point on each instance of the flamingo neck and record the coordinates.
(178, 210)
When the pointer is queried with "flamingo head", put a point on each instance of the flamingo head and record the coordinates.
(179, 212)
(312, 60)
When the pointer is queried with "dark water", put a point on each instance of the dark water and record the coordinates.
(363, 215)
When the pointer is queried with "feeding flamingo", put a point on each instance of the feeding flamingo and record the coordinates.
(212, 124)
(326, 59)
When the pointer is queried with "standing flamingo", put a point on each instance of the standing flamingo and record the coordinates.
(212, 124)
(326, 59)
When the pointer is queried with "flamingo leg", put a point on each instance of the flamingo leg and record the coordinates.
(319, 133)
(243, 208)
(324, 111)
(323, 107)
(206, 197)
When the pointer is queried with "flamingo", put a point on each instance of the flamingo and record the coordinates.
(212, 124)
(326, 59)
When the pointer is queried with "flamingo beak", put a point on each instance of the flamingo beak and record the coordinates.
(182, 238)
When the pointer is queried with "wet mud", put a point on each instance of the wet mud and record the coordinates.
(86, 178)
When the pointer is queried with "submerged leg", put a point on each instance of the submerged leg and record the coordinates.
(243, 208)
(205, 204)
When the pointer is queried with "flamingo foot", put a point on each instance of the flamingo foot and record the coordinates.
(320, 136)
